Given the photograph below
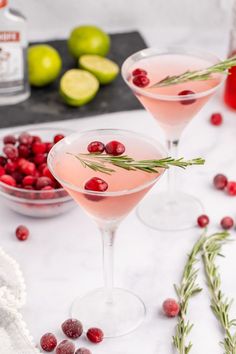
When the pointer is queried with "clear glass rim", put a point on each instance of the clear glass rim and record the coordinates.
(74, 136)
(152, 51)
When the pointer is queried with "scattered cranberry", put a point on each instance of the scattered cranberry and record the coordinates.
(95, 335)
(96, 147)
(58, 137)
(220, 181)
(203, 220)
(115, 148)
(28, 168)
(231, 188)
(72, 328)
(216, 119)
(48, 342)
(189, 100)
(2, 171)
(141, 81)
(8, 180)
(3, 161)
(227, 223)
(9, 139)
(83, 351)
(65, 347)
(171, 308)
(22, 233)
(28, 181)
(96, 184)
(25, 139)
(10, 151)
(139, 71)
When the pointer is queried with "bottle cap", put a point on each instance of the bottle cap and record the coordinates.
(3, 3)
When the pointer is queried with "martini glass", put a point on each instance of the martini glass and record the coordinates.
(173, 107)
(116, 311)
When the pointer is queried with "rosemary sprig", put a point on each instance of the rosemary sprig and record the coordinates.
(200, 75)
(187, 288)
(98, 163)
(220, 304)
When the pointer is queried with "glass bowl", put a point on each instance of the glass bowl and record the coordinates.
(36, 203)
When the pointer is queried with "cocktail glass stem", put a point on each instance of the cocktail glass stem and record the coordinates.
(108, 237)
(173, 152)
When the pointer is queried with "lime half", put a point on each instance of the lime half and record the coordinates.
(104, 69)
(78, 87)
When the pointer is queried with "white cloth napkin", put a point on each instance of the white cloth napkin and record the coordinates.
(14, 336)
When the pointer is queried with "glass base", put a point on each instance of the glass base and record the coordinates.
(121, 316)
(162, 213)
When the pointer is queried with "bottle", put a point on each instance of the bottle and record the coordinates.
(14, 85)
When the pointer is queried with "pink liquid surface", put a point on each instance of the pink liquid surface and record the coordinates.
(173, 115)
(123, 182)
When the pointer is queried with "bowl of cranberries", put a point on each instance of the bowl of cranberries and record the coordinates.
(26, 184)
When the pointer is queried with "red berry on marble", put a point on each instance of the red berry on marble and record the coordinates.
(65, 347)
(9, 139)
(96, 147)
(227, 223)
(220, 181)
(83, 351)
(2, 171)
(10, 151)
(95, 335)
(39, 148)
(216, 119)
(8, 180)
(43, 182)
(171, 307)
(141, 81)
(203, 220)
(115, 148)
(22, 233)
(139, 71)
(58, 137)
(3, 161)
(96, 184)
(25, 139)
(48, 342)
(72, 328)
(231, 188)
(187, 100)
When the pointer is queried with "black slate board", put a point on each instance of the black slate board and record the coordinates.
(45, 104)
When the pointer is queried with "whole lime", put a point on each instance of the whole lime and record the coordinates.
(88, 40)
(44, 64)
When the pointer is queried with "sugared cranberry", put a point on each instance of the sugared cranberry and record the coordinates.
(28, 168)
(189, 100)
(8, 180)
(9, 139)
(141, 81)
(25, 139)
(58, 137)
(220, 181)
(28, 180)
(3, 161)
(115, 148)
(65, 347)
(96, 184)
(10, 166)
(96, 147)
(83, 351)
(231, 188)
(48, 342)
(95, 335)
(39, 148)
(216, 119)
(23, 150)
(2, 171)
(139, 71)
(22, 233)
(227, 223)
(171, 308)
(43, 182)
(203, 220)
(40, 158)
(10, 151)
(72, 328)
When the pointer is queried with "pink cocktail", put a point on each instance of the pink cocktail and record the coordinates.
(173, 107)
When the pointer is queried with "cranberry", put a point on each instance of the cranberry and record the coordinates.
(58, 137)
(187, 101)
(2, 171)
(171, 308)
(28, 168)
(10, 151)
(3, 161)
(17, 176)
(42, 167)
(46, 172)
(10, 166)
(50, 194)
(40, 158)
(43, 182)
(25, 139)
(220, 181)
(65, 347)
(216, 119)
(28, 180)
(96, 147)
(22, 233)
(8, 180)
(96, 184)
(21, 161)
(36, 139)
(39, 148)
(95, 335)
(231, 188)
(23, 150)
(83, 351)
(141, 81)
(203, 220)
(9, 139)
(72, 328)
(138, 72)
(48, 146)
(48, 342)
(227, 223)
(115, 148)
